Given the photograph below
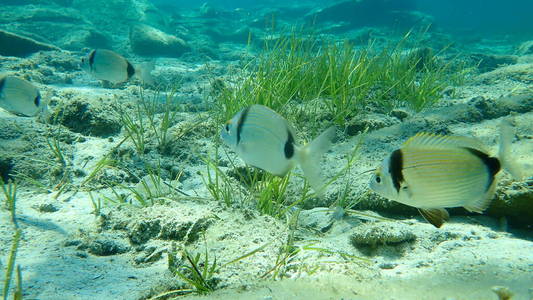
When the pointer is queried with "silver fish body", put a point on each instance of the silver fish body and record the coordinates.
(110, 66)
(433, 172)
(264, 139)
(20, 97)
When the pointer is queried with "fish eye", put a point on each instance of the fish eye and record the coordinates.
(378, 178)
(227, 127)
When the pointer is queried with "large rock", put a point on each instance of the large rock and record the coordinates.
(63, 27)
(75, 24)
(354, 14)
(149, 41)
(88, 117)
(85, 37)
(12, 44)
(515, 202)
(488, 62)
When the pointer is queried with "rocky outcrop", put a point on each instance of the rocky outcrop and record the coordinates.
(515, 202)
(12, 44)
(354, 14)
(488, 62)
(149, 41)
(88, 117)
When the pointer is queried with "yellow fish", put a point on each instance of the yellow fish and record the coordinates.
(432, 172)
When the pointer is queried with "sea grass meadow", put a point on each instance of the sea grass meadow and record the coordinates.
(121, 185)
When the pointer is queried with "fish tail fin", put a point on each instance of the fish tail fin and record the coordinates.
(144, 72)
(506, 138)
(309, 158)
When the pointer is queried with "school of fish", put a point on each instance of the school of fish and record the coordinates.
(430, 172)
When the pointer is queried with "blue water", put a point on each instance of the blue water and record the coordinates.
(490, 16)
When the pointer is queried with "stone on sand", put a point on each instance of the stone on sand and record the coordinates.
(489, 62)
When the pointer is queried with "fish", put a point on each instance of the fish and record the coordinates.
(432, 172)
(20, 97)
(110, 66)
(264, 139)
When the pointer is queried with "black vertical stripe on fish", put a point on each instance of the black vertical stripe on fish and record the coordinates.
(395, 168)
(2, 83)
(493, 164)
(289, 145)
(37, 100)
(91, 58)
(240, 123)
(130, 69)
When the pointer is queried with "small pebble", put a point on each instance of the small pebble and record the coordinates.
(388, 265)
(47, 207)
(81, 254)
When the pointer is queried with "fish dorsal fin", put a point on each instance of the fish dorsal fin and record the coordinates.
(424, 139)
(435, 216)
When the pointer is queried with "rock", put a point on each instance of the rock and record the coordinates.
(88, 117)
(370, 13)
(80, 39)
(188, 231)
(400, 113)
(104, 245)
(12, 44)
(381, 233)
(371, 121)
(47, 207)
(149, 255)
(488, 62)
(387, 265)
(143, 230)
(522, 72)
(18, 152)
(240, 35)
(74, 24)
(159, 222)
(319, 218)
(149, 41)
(515, 202)
(526, 48)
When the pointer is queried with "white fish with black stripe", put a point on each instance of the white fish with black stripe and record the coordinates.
(20, 97)
(264, 139)
(107, 65)
(433, 172)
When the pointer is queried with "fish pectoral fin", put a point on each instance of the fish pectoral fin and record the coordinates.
(435, 216)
